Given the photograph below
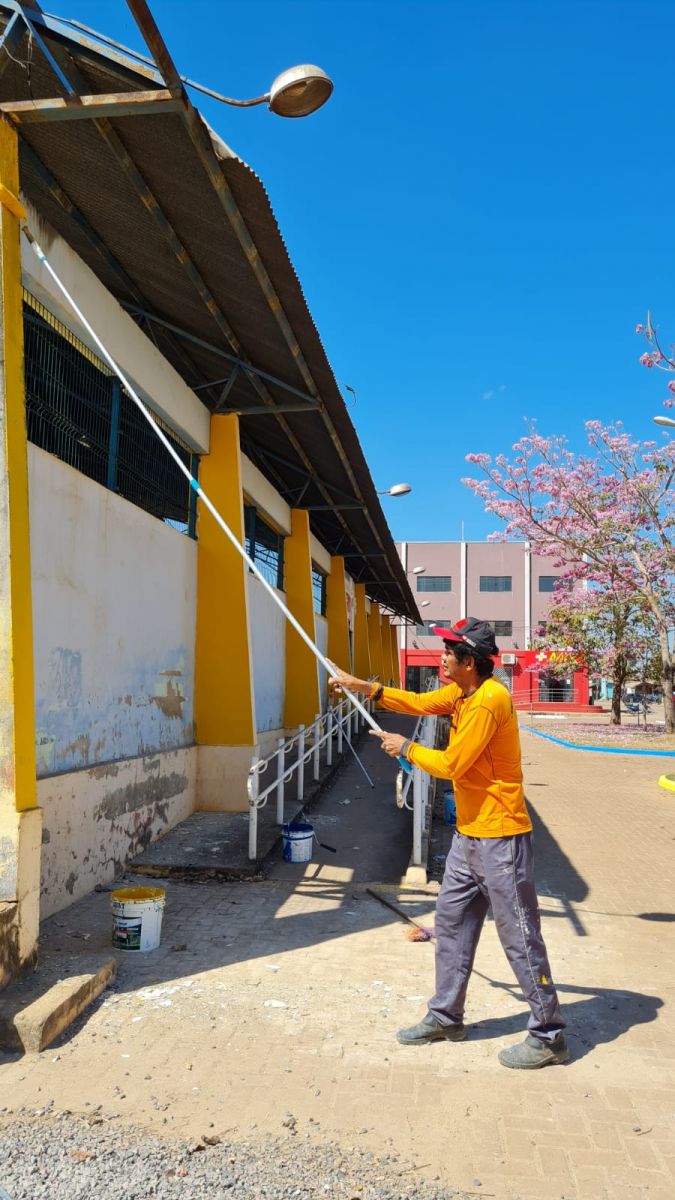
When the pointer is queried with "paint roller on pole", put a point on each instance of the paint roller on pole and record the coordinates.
(194, 484)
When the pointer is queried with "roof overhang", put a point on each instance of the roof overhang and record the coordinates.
(182, 233)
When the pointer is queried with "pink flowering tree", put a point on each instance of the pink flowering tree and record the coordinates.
(655, 357)
(607, 517)
(612, 636)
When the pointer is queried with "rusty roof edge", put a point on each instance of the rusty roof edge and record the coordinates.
(116, 61)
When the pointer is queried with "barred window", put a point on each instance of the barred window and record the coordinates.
(265, 546)
(554, 583)
(319, 581)
(495, 583)
(77, 409)
(426, 628)
(434, 583)
(501, 628)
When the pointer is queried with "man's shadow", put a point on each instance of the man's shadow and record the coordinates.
(605, 1015)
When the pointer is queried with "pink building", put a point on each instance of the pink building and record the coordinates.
(504, 583)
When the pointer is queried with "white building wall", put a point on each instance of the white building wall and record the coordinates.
(267, 631)
(114, 606)
(321, 640)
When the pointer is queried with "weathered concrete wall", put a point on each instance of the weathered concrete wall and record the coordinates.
(95, 820)
(114, 600)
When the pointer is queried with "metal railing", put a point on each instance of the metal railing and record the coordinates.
(422, 784)
(332, 730)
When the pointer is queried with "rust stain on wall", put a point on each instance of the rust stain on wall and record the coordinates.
(104, 771)
(80, 746)
(171, 702)
(138, 795)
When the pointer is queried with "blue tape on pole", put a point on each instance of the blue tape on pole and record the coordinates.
(600, 749)
(194, 485)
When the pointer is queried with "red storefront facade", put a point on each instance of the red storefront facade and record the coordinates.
(528, 674)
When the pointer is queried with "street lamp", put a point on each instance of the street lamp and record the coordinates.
(397, 489)
(668, 422)
(297, 92)
(418, 571)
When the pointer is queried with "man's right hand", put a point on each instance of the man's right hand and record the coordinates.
(340, 680)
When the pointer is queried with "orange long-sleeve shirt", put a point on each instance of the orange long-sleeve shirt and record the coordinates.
(482, 757)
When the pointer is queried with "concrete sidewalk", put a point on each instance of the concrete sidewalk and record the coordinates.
(277, 1001)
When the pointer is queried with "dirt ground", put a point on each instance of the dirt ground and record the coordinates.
(277, 1002)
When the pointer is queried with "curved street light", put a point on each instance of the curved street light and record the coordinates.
(668, 422)
(296, 92)
(397, 489)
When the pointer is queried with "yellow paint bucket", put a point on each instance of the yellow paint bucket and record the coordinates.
(137, 918)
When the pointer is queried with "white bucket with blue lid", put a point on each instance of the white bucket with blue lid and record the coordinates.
(297, 837)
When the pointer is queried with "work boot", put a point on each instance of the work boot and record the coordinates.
(534, 1052)
(430, 1030)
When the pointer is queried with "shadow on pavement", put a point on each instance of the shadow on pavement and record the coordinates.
(604, 1016)
(556, 874)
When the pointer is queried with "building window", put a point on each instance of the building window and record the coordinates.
(319, 591)
(434, 583)
(77, 410)
(495, 583)
(501, 628)
(426, 628)
(265, 546)
(554, 583)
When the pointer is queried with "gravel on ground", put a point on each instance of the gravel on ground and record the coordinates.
(82, 1157)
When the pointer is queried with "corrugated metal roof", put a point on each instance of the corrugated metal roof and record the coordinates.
(74, 175)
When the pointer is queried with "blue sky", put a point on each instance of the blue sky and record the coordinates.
(479, 216)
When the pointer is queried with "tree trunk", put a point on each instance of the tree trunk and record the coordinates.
(667, 681)
(618, 680)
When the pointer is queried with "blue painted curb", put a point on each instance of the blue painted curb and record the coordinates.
(599, 749)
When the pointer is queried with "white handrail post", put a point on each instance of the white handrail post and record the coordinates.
(354, 722)
(329, 739)
(339, 725)
(253, 785)
(317, 747)
(417, 817)
(301, 763)
(280, 781)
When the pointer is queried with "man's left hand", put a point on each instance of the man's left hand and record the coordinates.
(392, 743)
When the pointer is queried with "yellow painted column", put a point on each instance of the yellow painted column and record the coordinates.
(224, 697)
(362, 668)
(302, 700)
(336, 613)
(375, 642)
(395, 657)
(387, 665)
(20, 819)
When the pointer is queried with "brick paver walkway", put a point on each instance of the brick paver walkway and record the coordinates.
(288, 995)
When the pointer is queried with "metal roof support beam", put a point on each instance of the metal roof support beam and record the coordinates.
(201, 141)
(116, 104)
(64, 202)
(65, 83)
(311, 476)
(242, 364)
(11, 39)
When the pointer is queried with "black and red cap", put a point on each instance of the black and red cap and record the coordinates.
(475, 634)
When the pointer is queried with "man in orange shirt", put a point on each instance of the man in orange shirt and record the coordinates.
(490, 863)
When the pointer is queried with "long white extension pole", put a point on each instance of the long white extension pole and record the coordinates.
(194, 484)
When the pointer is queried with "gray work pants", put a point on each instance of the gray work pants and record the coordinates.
(497, 872)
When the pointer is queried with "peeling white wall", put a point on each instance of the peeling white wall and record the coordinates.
(114, 611)
(96, 820)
